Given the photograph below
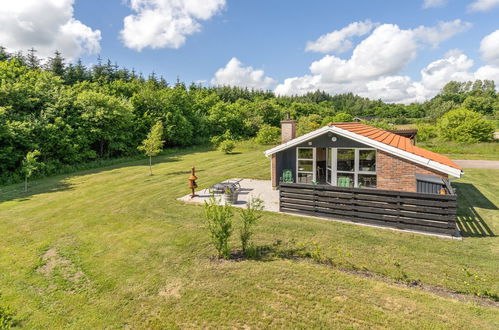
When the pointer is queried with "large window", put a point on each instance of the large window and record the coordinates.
(305, 164)
(353, 167)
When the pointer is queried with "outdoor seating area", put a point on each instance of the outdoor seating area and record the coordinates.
(237, 192)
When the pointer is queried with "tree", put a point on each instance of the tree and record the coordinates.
(307, 124)
(56, 64)
(105, 122)
(31, 60)
(268, 135)
(463, 125)
(249, 216)
(30, 165)
(153, 144)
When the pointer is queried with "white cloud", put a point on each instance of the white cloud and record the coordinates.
(374, 68)
(339, 40)
(489, 46)
(483, 5)
(166, 23)
(434, 3)
(443, 31)
(235, 74)
(46, 25)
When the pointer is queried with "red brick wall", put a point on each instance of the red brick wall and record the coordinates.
(394, 173)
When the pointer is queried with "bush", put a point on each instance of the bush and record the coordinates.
(268, 135)
(249, 216)
(342, 117)
(227, 146)
(463, 125)
(426, 132)
(218, 219)
(6, 318)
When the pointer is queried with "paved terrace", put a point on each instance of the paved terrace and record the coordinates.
(249, 188)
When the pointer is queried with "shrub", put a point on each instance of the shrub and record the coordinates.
(6, 318)
(227, 146)
(341, 117)
(426, 132)
(463, 125)
(249, 216)
(268, 135)
(218, 219)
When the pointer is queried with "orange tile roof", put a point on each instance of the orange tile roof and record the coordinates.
(393, 140)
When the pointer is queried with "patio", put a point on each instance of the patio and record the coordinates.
(249, 188)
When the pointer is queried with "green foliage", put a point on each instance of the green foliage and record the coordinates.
(76, 114)
(153, 144)
(7, 320)
(227, 146)
(480, 104)
(380, 123)
(307, 124)
(249, 217)
(30, 164)
(462, 125)
(219, 223)
(426, 132)
(268, 135)
(341, 117)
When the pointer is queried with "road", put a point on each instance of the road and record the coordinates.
(472, 163)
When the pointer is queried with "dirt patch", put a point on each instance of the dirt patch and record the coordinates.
(56, 266)
(171, 290)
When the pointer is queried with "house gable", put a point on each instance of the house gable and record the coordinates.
(318, 136)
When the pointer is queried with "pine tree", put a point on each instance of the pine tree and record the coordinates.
(153, 144)
(4, 55)
(31, 60)
(56, 64)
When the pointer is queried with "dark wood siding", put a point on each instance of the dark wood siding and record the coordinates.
(403, 210)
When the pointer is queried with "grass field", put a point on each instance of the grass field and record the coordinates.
(113, 248)
(484, 150)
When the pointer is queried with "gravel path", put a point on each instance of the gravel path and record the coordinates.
(471, 163)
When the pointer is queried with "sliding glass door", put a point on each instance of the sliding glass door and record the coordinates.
(351, 167)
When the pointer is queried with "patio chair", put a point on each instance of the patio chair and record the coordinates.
(287, 176)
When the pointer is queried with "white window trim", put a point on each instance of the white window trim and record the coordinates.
(356, 170)
(314, 163)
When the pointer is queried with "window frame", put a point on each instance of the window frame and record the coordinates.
(314, 163)
(356, 171)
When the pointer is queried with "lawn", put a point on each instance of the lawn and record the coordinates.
(113, 248)
(484, 150)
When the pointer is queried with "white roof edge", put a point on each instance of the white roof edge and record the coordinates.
(370, 142)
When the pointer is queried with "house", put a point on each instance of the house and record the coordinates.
(363, 174)
(356, 155)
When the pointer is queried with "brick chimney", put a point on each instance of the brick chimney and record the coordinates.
(288, 130)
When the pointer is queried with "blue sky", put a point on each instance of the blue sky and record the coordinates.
(267, 40)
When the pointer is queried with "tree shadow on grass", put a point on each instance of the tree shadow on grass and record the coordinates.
(469, 221)
(60, 182)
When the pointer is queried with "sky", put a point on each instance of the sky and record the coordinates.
(396, 51)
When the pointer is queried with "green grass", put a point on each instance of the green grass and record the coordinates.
(112, 247)
(484, 150)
